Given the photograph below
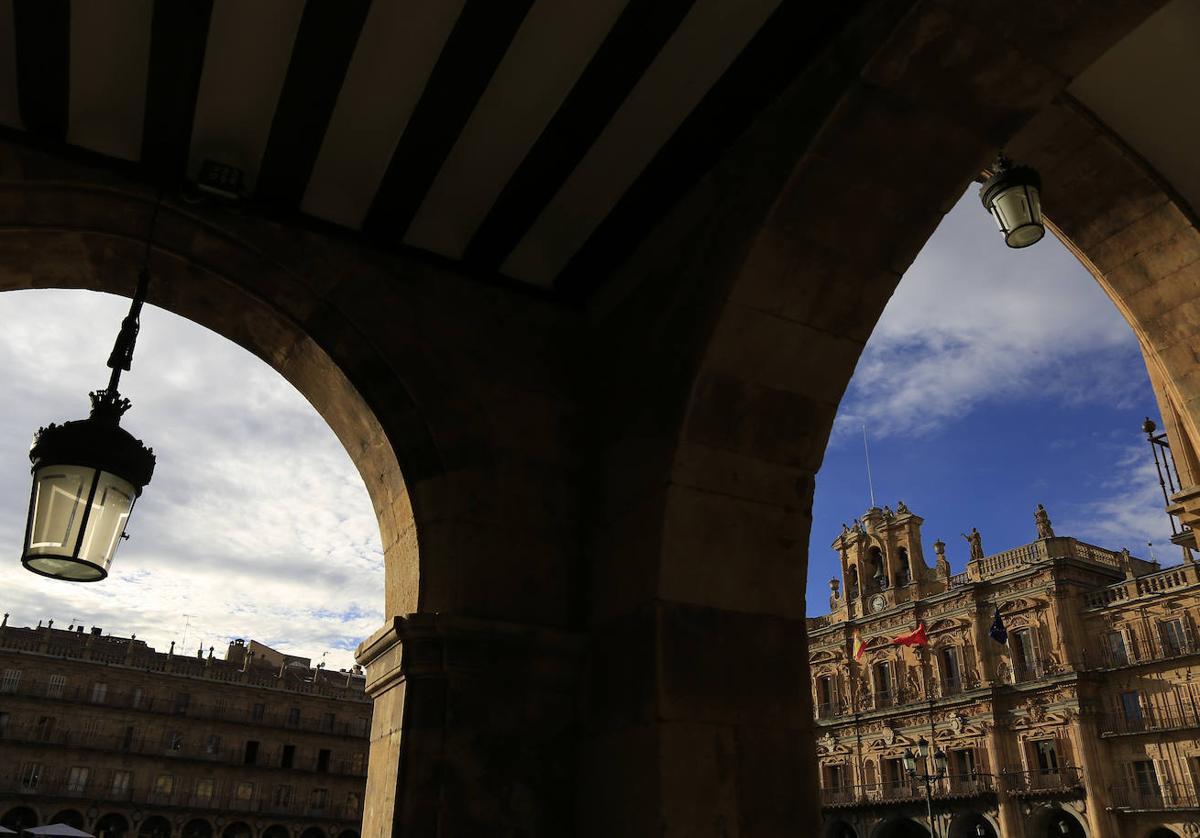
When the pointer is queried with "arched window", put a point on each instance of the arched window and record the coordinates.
(904, 574)
(885, 692)
(826, 697)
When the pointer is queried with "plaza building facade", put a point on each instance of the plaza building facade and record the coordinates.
(1083, 723)
(110, 736)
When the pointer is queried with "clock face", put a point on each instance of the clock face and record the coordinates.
(878, 603)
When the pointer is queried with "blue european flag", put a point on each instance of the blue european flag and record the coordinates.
(998, 632)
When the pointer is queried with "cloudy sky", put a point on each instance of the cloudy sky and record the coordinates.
(997, 379)
(256, 523)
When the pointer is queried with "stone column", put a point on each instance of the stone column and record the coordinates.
(474, 728)
(1010, 809)
(1096, 777)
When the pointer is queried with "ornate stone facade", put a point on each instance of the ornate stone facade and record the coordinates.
(1084, 723)
(106, 734)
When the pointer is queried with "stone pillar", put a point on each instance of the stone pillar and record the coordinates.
(1096, 776)
(1009, 807)
(474, 729)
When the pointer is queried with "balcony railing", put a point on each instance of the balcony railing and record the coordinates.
(826, 711)
(1155, 798)
(1150, 720)
(278, 717)
(955, 785)
(181, 748)
(47, 785)
(1066, 779)
(1164, 581)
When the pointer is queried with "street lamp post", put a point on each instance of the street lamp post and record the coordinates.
(928, 778)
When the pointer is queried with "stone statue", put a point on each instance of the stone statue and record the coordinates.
(975, 540)
(912, 686)
(1002, 672)
(857, 528)
(851, 578)
(901, 509)
(834, 584)
(1042, 519)
(887, 512)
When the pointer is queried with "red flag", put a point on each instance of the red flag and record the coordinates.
(913, 638)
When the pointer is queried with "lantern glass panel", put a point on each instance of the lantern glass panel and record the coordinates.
(1018, 214)
(60, 499)
(59, 495)
(110, 510)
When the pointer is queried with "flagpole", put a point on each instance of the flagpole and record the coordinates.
(867, 455)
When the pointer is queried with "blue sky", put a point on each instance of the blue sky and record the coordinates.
(996, 379)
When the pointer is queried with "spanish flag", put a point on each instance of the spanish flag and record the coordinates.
(859, 646)
(915, 637)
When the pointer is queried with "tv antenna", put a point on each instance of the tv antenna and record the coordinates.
(867, 455)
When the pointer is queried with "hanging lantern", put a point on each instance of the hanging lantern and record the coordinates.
(87, 475)
(1013, 196)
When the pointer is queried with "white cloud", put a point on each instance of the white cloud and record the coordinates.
(256, 522)
(975, 322)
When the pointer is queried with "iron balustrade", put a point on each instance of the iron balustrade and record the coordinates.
(1150, 720)
(1066, 779)
(827, 711)
(49, 785)
(167, 746)
(142, 702)
(1154, 650)
(1170, 795)
(908, 790)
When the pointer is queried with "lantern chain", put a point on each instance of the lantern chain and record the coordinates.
(121, 358)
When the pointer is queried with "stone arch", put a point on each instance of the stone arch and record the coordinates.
(1048, 822)
(80, 235)
(1162, 832)
(276, 831)
(155, 826)
(197, 828)
(899, 827)
(314, 832)
(71, 817)
(19, 817)
(838, 828)
(238, 829)
(112, 825)
(966, 825)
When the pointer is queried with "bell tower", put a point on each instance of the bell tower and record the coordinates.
(883, 560)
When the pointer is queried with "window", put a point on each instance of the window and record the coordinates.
(44, 729)
(353, 802)
(212, 745)
(1174, 643)
(1045, 752)
(893, 773)
(360, 726)
(173, 740)
(121, 780)
(127, 739)
(182, 700)
(90, 730)
(322, 760)
(951, 673)
(1145, 779)
(77, 779)
(135, 700)
(293, 718)
(244, 792)
(164, 785)
(962, 763)
(835, 777)
(327, 722)
(10, 681)
(282, 797)
(54, 687)
(99, 692)
(288, 757)
(826, 703)
(257, 712)
(883, 684)
(318, 800)
(250, 756)
(3, 723)
(204, 789)
(1117, 654)
(1131, 709)
(31, 776)
(1024, 650)
(358, 763)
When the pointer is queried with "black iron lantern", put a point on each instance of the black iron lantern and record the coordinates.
(87, 476)
(1013, 196)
